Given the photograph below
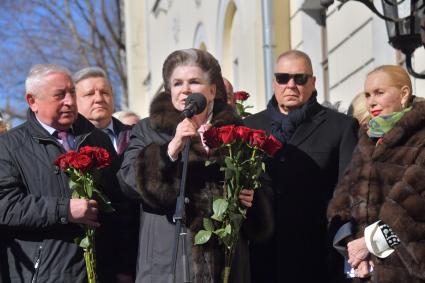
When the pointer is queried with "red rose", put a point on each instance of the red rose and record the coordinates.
(244, 133)
(100, 155)
(64, 160)
(271, 145)
(258, 137)
(211, 138)
(227, 134)
(241, 95)
(82, 162)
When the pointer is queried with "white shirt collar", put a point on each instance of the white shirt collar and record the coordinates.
(110, 126)
(49, 129)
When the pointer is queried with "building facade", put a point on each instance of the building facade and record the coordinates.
(345, 43)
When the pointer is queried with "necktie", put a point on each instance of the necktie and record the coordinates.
(123, 140)
(67, 140)
(112, 137)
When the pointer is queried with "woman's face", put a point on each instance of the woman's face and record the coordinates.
(186, 80)
(383, 96)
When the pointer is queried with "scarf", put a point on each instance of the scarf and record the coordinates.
(380, 125)
(283, 126)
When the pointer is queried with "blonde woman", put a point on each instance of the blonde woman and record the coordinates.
(380, 200)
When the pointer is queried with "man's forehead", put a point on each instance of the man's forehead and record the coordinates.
(57, 80)
(297, 64)
(93, 82)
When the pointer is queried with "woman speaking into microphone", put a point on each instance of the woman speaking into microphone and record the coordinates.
(151, 171)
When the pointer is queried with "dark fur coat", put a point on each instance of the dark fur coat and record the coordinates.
(158, 181)
(387, 182)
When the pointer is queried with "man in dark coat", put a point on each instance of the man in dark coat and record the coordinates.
(318, 143)
(38, 218)
(95, 101)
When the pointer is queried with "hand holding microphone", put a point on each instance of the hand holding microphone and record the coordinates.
(195, 104)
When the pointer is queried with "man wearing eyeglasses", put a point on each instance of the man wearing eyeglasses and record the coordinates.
(318, 143)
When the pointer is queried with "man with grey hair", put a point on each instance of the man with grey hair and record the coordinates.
(39, 219)
(95, 101)
(317, 146)
(127, 117)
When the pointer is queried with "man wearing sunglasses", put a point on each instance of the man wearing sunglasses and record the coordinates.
(318, 143)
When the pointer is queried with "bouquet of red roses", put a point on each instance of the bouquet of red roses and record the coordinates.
(81, 167)
(240, 98)
(244, 150)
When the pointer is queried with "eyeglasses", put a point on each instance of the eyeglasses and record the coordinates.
(284, 78)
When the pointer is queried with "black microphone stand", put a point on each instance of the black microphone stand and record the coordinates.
(181, 233)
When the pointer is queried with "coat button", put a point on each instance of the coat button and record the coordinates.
(63, 220)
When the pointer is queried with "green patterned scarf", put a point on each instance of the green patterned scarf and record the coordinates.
(380, 125)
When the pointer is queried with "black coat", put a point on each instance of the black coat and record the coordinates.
(148, 174)
(117, 237)
(303, 175)
(34, 204)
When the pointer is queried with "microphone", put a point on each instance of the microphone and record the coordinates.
(195, 103)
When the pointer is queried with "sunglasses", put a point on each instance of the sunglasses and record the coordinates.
(284, 78)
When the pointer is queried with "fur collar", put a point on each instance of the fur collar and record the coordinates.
(165, 118)
(411, 122)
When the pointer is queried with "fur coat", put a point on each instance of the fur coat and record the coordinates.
(158, 182)
(387, 182)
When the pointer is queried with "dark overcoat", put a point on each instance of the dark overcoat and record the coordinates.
(36, 238)
(387, 182)
(147, 173)
(304, 176)
(117, 237)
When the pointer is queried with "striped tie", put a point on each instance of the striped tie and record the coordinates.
(67, 140)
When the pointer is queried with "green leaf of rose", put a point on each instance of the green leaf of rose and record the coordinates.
(202, 237)
(208, 225)
(84, 243)
(239, 108)
(221, 233)
(219, 208)
(228, 229)
(89, 189)
(229, 163)
(228, 173)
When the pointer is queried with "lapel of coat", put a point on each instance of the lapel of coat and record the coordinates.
(308, 127)
(123, 135)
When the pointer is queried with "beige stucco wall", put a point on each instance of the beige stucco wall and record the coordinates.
(137, 67)
(231, 30)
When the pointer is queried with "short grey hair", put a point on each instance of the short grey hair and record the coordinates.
(90, 72)
(124, 114)
(296, 54)
(38, 72)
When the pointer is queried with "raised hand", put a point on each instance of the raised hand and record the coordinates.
(185, 129)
